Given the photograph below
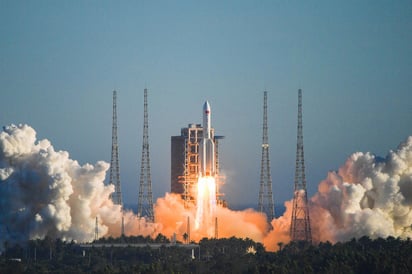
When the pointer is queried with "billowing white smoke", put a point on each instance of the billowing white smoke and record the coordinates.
(44, 192)
(368, 196)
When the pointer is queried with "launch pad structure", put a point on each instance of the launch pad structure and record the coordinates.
(185, 150)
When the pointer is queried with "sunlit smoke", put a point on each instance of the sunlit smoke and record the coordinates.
(368, 195)
(45, 193)
(205, 204)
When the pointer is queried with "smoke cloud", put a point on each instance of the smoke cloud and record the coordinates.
(174, 218)
(368, 195)
(45, 193)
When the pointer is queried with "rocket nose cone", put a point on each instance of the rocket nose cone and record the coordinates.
(206, 106)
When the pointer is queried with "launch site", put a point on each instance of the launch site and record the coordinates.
(208, 137)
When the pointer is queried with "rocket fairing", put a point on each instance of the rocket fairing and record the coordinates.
(207, 146)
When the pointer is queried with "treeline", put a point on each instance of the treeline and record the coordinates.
(233, 255)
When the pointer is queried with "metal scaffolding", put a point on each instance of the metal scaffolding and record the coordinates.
(191, 138)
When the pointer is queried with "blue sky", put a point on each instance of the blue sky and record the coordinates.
(60, 61)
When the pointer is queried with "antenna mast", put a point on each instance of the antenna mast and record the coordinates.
(265, 193)
(300, 225)
(145, 203)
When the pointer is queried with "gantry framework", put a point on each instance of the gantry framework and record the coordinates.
(187, 144)
(185, 164)
(300, 225)
(191, 164)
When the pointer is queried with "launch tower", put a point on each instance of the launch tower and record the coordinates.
(186, 160)
(265, 192)
(145, 201)
(300, 225)
(185, 163)
(114, 162)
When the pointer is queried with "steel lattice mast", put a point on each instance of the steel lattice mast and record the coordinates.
(265, 193)
(300, 224)
(114, 162)
(96, 230)
(145, 201)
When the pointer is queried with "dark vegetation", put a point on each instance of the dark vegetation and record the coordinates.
(231, 255)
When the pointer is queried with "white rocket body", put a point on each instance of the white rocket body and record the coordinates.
(207, 146)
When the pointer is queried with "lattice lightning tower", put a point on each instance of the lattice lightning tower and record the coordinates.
(300, 225)
(114, 162)
(265, 193)
(96, 230)
(145, 202)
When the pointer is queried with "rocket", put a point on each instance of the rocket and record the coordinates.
(207, 146)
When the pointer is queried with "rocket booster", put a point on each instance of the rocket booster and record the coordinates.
(207, 146)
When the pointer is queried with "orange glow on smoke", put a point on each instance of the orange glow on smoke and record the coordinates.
(172, 216)
(205, 216)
